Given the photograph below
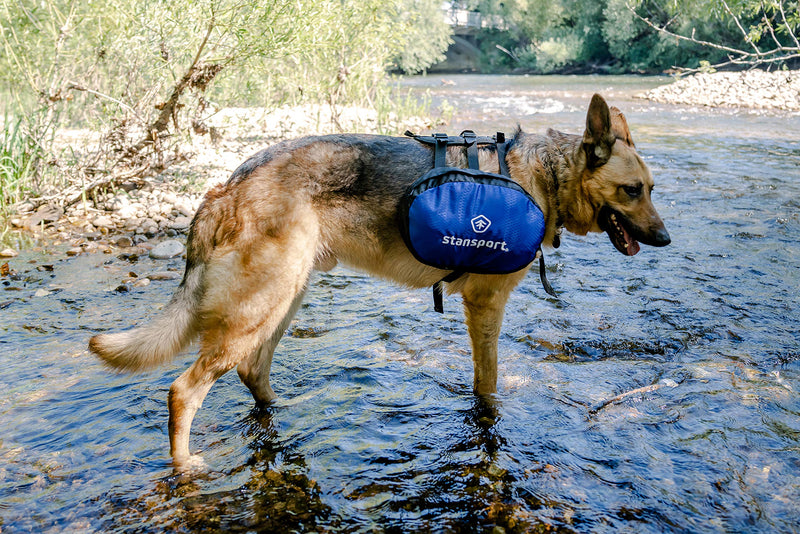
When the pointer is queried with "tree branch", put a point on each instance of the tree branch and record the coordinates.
(683, 37)
(123, 105)
(169, 107)
(778, 54)
(741, 29)
(788, 27)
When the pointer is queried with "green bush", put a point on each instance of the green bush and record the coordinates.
(143, 72)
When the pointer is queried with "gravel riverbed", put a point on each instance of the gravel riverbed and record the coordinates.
(754, 89)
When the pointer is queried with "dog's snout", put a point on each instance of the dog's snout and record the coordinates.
(661, 238)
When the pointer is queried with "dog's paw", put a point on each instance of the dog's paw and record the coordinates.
(192, 464)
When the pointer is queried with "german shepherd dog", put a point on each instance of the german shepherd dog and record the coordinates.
(309, 203)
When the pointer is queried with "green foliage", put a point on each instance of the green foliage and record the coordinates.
(614, 35)
(142, 71)
(426, 36)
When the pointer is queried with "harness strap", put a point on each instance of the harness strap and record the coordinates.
(502, 148)
(543, 276)
(438, 290)
(472, 148)
(440, 150)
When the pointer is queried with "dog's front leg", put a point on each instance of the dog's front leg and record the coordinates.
(485, 299)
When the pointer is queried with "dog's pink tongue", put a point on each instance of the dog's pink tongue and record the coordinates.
(631, 245)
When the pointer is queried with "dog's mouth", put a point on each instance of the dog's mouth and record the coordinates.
(619, 231)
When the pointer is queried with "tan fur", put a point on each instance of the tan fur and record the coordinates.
(313, 202)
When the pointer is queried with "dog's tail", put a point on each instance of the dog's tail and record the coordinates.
(157, 342)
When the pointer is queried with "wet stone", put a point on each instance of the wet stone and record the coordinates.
(124, 241)
(164, 275)
(8, 253)
(180, 223)
(44, 215)
(103, 222)
(167, 249)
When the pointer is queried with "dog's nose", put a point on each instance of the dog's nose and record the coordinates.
(661, 238)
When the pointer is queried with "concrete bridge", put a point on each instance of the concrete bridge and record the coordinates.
(463, 53)
(466, 22)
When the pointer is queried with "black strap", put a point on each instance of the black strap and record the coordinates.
(543, 276)
(467, 137)
(472, 148)
(472, 156)
(502, 148)
(440, 150)
(438, 290)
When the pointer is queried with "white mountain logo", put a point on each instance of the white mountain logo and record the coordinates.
(480, 224)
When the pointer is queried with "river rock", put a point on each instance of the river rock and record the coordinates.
(184, 207)
(8, 253)
(164, 275)
(149, 226)
(753, 89)
(128, 212)
(167, 249)
(180, 223)
(46, 214)
(102, 221)
(124, 241)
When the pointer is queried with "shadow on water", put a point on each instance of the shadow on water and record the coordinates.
(459, 485)
(657, 393)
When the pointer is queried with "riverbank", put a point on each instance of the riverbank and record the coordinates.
(754, 89)
(162, 206)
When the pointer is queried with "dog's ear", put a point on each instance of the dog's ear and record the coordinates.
(619, 127)
(598, 137)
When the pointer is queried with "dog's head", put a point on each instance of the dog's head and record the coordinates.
(617, 183)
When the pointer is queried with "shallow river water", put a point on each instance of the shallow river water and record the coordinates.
(657, 393)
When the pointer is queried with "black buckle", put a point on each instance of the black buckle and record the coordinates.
(469, 137)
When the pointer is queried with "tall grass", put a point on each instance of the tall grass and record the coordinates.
(20, 158)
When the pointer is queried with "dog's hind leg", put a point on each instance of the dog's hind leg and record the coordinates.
(249, 295)
(254, 370)
(225, 344)
(484, 304)
(187, 392)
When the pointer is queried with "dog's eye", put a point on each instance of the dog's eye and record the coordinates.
(633, 191)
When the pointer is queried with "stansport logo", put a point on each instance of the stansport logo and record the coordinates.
(474, 243)
(479, 224)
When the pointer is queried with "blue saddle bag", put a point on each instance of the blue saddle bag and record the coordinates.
(468, 220)
(471, 221)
